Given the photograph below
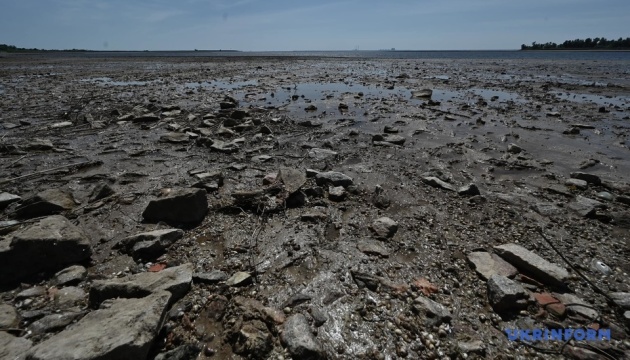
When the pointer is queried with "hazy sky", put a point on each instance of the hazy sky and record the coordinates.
(306, 25)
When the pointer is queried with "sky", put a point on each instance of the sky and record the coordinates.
(287, 25)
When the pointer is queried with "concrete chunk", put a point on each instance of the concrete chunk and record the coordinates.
(533, 264)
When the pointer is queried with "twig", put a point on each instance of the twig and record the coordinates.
(45, 171)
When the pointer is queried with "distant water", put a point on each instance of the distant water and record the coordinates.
(487, 54)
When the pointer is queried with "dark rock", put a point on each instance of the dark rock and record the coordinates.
(487, 264)
(176, 280)
(585, 207)
(212, 277)
(436, 182)
(468, 190)
(432, 313)
(101, 191)
(391, 129)
(39, 144)
(131, 326)
(372, 248)
(533, 264)
(70, 276)
(54, 322)
(514, 149)
(384, 228)
(184, 352)
(6, 199)
(239, 279)
(179, 206)
(292, 179)
(546, 209)
(577, 183)
(50, 244)
(319, 317)
(589, 178)
(333, 178)
(47, 202)
(150, 245)
(148, 117)
(297, 299)
(299, 340)
(506, 295)
(175, 138)
(251, 339)
(571, 131)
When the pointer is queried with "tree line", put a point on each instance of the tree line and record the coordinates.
(582, 44)
(13, 48)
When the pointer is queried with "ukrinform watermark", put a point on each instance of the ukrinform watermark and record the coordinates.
(532, 335)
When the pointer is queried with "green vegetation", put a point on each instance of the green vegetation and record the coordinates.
(14, 49)
(586, 44)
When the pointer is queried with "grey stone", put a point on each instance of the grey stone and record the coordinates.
(13, 348)
(212, 277)
(224, 146)
(389, 138)
(39, 144)
(435, 182)
(319, 317)
(371, 248)
(621, 218)
(101, 191)
(622, 299)
(337, 193)
(333, 178)
(6, 199)
(585, 207)
(130, 325)
(69, 297)
(184, 352)
(546, 209)
(148, 117)
(432, 312)
(70, 276)
(472, 347)
(468, 190)
(8, 317)
(54, 322)
(589, 178)
(572, 303)
(422, 93)
(506, 295)
(606, 196)
(152, 244)
(626, 317)
(514, 149)
(299, 339)
(50, 244)
(533, 264)
(205, 176)
(251, 339)
(35, 291)
(384, 228)
(388, 129)
(577, 183)
(47, 202)
(487, 264)
(321, 154)
(180, 206)
(293, 179)
(239, 279)
(177, 280)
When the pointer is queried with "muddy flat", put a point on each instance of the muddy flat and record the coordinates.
(316, 207)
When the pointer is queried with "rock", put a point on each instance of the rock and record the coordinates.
(179, 206)
(421, 94)
(333, 178)
(384, 228)
(148, 117)
(533, 264)
(239, 279)
(175, 138)
(54, 322)
(514, 149)
(251, 339)
(101, 191)
(314, 216)
(70, 276)
(176, 280)
(546, 209)
(550, 303)
(50, 244)
(571, 131)
(572, 303)
(472, 347)
(623, 199)
(311, 108)
(47, 202)
(297, 299)
(319, 317)
(212, 277)
(487, 264)
(371, 248)
(622, 299)
(131, 326)
(435, 182)
(8, 317)
(391, 129)
(626, 317)
(506, 295)
(254, 309)
(337, 193)
(321, 154)
(589, 178)
(227, 105)
(606, 196)
(292, 179)
(620, 218)
(261, 158)
(432, 312)
(468, 190)
(184, 352)
(6, 199)
(388, 138)
(39, 144)
(13, 348)
(8, 226)
(585, 207)
(150, 245)
(69, 297)
(35, 291)
(299, 340)
(224, 146)
(577, 183)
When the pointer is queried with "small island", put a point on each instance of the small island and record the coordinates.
(582, 44)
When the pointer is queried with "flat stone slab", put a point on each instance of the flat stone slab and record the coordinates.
(299, 339)
(621, 299)
(12, 347)
(176, 280)
(488, 264)
(180, 206)
(125, 329)
(533, 264)
(333, 178)
(435, 182)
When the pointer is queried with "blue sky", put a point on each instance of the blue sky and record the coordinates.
(254, 25)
